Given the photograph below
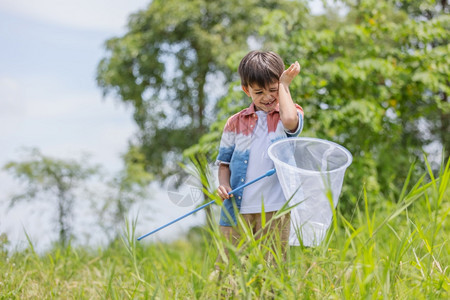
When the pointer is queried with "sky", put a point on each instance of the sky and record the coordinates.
(49, 100)
(48, 94)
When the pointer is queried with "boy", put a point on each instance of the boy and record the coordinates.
(247, 135)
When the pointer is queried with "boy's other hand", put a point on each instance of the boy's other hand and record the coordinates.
(223, 191)
(290, 73)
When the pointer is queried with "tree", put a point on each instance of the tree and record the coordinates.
(54, 180)
(129, 186)
(172, 63)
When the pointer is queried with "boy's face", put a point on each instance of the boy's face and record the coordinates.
(264, 98)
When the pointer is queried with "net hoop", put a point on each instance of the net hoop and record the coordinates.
(309, 139)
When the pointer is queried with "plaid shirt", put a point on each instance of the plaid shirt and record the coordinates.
(235, 150)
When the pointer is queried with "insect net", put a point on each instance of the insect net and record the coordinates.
(311, 172)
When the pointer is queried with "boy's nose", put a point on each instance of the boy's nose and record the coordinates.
(267, 97)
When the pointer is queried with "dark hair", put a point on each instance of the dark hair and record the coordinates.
(261, 68)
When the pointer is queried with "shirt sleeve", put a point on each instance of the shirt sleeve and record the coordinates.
(299, 128)
(227, 144)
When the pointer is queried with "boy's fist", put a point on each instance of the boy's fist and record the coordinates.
(223, 191)
(290, 73)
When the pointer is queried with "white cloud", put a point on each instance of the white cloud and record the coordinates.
(104, 15)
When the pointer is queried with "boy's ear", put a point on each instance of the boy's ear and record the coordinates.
(245, 89)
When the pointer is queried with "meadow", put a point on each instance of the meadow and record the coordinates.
(383, 249)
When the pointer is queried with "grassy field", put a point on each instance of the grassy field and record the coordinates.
(396, 249)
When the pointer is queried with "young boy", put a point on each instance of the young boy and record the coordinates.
(246, 137)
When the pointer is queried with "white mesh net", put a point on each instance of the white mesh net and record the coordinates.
(311, 172)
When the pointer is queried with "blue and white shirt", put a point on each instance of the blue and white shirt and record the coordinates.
(234, 150)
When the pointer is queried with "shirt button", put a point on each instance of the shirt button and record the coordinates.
(245, 161)
(239, 197)
(242, 179)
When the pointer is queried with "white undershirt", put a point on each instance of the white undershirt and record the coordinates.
(259, 163)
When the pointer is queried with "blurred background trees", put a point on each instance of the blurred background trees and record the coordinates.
(376, 81)
(71, 185)
(53, 180)
(121, 191)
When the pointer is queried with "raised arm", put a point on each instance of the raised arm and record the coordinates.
(288, 112)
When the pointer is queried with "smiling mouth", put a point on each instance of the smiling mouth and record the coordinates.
(269, 103)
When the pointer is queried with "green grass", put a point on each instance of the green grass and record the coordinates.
(387, 249)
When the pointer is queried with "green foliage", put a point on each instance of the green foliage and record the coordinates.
(375, 83)
(51, 179)
(389, 249)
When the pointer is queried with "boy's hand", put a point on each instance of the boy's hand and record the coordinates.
(289, 74)
(223, 191)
